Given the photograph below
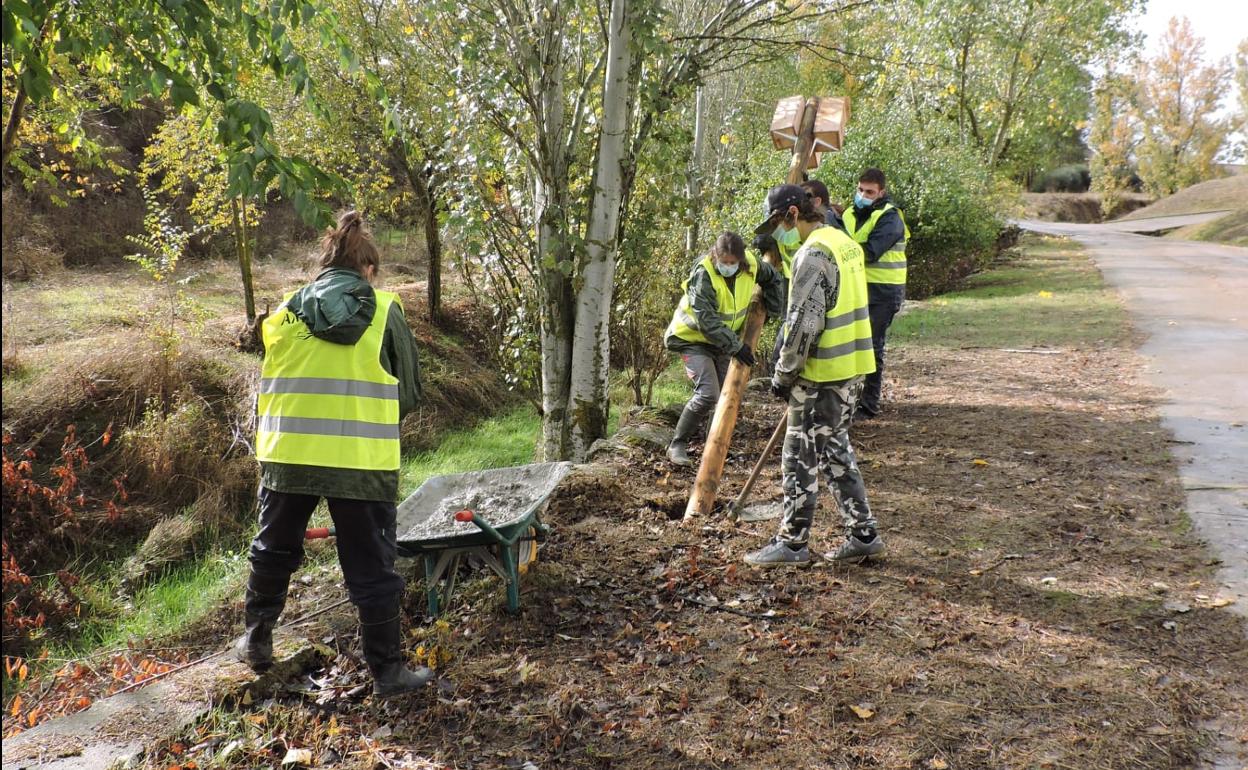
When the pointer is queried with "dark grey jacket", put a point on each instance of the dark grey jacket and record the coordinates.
(705, 305)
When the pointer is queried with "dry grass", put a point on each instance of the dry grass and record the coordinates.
(1214, 195)
(1231, 229)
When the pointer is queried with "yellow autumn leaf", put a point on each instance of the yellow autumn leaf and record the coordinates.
(409, 29)
(936, 763)
(724, 139)
(1044, 294)
(978, 461)
(862, 712)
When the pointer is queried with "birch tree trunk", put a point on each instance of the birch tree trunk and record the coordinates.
(554, 254)
(591, 348)
(695, 175)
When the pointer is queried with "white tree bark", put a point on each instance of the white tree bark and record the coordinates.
(591, 349)
(695, 174)
(550, 201)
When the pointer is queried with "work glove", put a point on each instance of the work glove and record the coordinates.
(763, 243)
(745, 355)
(780, 390)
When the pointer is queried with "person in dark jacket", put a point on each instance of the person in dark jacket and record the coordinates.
(706, 327)
(878, 226)
(340, 370)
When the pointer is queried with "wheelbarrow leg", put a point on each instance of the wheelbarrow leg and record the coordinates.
(431, 585)
(513, 579)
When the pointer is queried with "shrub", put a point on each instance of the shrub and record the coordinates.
(1071, 178)
(44, 520)
(948, 195)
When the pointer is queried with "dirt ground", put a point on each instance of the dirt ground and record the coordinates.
(1039, 605)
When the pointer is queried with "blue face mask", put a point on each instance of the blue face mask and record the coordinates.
(862, 202)
(727, 271)
(787, 239)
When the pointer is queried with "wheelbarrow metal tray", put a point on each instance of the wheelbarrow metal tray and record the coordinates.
(507, 498)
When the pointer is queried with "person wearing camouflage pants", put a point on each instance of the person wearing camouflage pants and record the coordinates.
(819, 374)
(817, 440)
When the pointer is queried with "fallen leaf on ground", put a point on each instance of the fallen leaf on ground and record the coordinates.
(297, 757)
(862, 712)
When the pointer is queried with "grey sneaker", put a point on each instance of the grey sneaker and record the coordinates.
(855, 548)
(678, 454)
(777, 552)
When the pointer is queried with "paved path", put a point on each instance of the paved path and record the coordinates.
(1192, 301)
(1153, 225)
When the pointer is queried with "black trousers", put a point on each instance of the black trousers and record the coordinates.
(366, 539)
(883, 302)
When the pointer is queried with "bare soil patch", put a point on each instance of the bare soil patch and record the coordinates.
(1040, 605)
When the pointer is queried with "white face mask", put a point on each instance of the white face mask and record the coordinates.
(727, 271)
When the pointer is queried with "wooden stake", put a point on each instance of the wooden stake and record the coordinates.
(719, 435)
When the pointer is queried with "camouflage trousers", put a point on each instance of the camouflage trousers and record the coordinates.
(817, 440)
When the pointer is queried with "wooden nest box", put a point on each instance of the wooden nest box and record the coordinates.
(831, 117)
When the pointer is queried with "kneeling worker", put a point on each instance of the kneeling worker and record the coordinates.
(340, 369)
(706, 326)
(825, 354)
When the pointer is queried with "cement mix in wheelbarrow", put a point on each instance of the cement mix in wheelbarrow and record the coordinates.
(502, 496)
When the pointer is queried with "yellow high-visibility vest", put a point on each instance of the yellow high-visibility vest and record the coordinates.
(734, 304)
(326, 404)
(844, 348)
(891, 266)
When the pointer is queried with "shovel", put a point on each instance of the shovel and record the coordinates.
(736, 507)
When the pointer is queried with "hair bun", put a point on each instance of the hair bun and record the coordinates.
(350, 219)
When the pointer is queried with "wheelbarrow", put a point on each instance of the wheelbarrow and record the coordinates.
(494, 515)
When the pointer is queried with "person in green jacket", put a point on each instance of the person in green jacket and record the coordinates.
(340, 370)
(706, 327)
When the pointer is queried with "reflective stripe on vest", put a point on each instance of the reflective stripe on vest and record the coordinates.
(326, 404)
(844, 348)
(734, 305)
(891, 266)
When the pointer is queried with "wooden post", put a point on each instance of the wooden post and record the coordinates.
(719, 435)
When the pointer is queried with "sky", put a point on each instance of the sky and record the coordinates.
(1222, 24)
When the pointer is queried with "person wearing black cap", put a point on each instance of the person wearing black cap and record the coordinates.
(824, 356)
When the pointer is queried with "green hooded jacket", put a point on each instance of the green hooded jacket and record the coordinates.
(338, 307)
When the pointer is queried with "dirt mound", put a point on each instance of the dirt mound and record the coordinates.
(1231, 228)
(1077, 207)
(1214, 195)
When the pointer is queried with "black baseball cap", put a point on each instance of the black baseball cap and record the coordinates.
(779, 199)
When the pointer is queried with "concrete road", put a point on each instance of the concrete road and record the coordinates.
(1154, 225)
(1192, 301)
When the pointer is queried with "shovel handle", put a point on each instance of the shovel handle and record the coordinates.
(758, 466)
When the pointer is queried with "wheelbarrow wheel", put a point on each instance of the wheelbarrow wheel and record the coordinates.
(526, 550)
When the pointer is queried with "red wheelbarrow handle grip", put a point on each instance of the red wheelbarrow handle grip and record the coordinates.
(464, 515)
(316, 533)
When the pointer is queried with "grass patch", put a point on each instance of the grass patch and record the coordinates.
(1231, 229)
(1046, 293)
(509, 439)
(184, 595)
